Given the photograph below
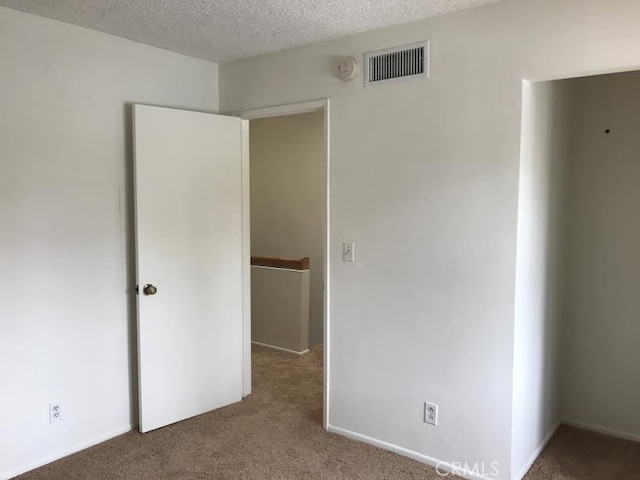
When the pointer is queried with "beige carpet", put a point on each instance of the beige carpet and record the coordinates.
(574, 454)
(276, 434)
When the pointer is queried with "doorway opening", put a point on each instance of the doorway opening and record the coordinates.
(286, 351)
(578, 276)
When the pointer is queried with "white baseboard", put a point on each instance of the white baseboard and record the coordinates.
(434, 462)
(527, 466)
(77, 448)
(279, 349)
(603, 430)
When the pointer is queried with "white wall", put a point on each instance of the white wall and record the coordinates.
(65, 220)
(545, 145)
(578, 261)
(424, 178)
(288, 198)
(601, 348)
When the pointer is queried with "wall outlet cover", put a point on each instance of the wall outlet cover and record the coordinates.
(55, 412)
(431, 413)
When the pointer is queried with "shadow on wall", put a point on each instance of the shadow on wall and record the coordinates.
(130, 245)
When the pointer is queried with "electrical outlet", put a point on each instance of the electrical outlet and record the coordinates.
(55, 412)
(430, 413)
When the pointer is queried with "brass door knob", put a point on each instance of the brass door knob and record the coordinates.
(149, 289)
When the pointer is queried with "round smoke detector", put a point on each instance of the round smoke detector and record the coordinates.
(347, 68)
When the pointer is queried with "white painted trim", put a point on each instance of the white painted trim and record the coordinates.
(327, 270)
(279, 111)
(603, 430)
(284, 110)
(405, 452)
(71, 451)
(585, 73)
(527, 466)
(278, 268)
(279, 349)
(246, 263)
(136, 247)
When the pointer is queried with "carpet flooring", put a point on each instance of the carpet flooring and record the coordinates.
(276, 433)
(575, 454)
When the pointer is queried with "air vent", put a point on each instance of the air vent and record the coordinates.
(410, 62)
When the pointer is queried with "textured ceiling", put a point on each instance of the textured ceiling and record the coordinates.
(223, 30)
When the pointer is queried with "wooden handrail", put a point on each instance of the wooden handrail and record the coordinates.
(288, 263)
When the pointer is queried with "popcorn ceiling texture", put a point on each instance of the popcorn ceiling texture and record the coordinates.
(225, 30)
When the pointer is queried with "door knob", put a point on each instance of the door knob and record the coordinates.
(149, 289)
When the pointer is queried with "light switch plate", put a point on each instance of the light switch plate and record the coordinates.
(348, 252)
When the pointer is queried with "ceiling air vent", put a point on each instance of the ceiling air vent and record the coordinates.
(410, 62)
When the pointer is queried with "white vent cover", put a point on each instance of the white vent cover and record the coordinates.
(409, 62)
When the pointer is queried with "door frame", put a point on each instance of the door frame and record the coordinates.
(321, 105)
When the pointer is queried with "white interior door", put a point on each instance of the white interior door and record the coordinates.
(188, 184)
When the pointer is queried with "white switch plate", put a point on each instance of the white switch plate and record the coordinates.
(348, 252)
(430, 413)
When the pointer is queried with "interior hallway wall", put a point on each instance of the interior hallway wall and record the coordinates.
(546, 140)
(67, 298)
(288, 198)
(601, 339)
